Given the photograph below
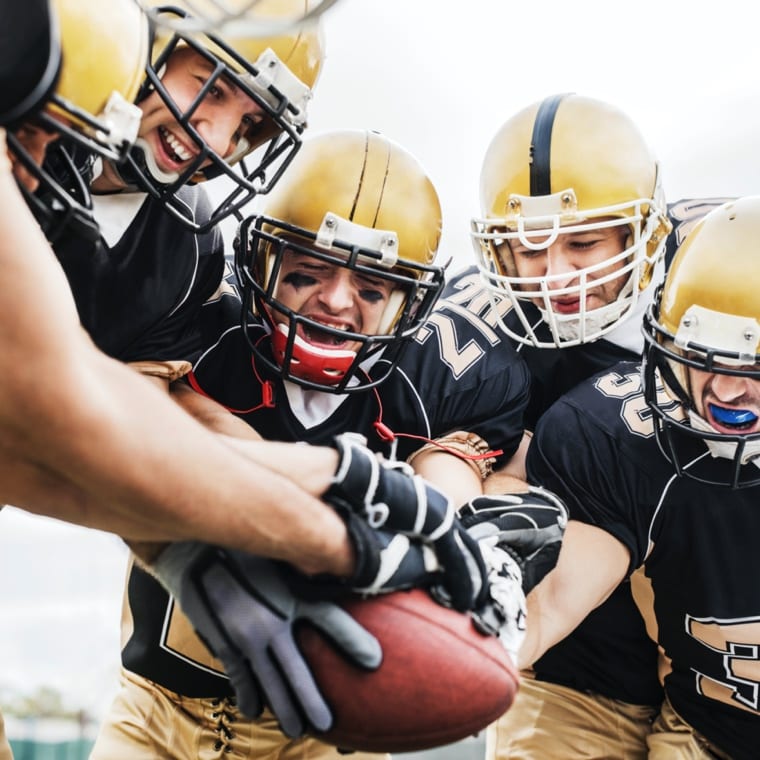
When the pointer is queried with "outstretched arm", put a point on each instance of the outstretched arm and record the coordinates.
(110, 449)
(590, 565)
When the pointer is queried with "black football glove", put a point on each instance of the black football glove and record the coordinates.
(388, 496)
(246, 612)
(387, 561)
(530, 526)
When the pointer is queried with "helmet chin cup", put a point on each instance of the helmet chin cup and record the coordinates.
(307, 362)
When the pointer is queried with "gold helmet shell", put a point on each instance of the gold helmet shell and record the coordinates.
(98, 53)
(92, 65)
(105, 49)
(367, 179)
(703, 271)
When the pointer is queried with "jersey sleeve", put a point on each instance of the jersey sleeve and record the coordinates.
(466, 372)
(584, 456)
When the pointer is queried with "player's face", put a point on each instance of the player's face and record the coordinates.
(729, 403)
(331, 295)
(35, 141)
(224, 118)
(564, 258)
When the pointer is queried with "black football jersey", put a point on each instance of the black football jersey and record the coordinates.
(456, 375)
(553, 371)
(139, 286)
(573, 662)
(691, 541)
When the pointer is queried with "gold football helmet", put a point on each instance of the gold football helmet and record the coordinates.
(105, 49)
(707, 318)
(90, 70)
(357, 200)
(276, 72)
(567, 164)
(95, 56)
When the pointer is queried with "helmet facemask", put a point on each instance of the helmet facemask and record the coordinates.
(60, 206)
(265, 243)
(261, 155)
(62, 201)
(536, 227)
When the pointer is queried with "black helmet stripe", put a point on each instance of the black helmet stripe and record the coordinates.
(541, 146)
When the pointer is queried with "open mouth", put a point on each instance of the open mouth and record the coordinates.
(732, 420)
(173, 148)
(329, 337)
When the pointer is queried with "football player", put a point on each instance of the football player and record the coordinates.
(663, 488)
(214, 105)
(332, 333)
(53, 97)
(570, 245)
(105, 432)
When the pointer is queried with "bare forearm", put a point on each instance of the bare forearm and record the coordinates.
(139, 466)
(224, 497)
(590, 565)
(95, 444)
(452, 475)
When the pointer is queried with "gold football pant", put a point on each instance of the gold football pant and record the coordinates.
(5, 748)
(672, 737)
(148, 722)
(547, 721)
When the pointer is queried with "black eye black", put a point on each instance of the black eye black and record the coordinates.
(371, 296)
(299, 280)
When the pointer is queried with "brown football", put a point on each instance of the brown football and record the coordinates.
(440, 679)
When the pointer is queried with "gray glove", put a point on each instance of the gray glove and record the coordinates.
(529, 526)
(245, 611)
(388, 495)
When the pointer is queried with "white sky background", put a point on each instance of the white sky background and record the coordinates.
(439, 77)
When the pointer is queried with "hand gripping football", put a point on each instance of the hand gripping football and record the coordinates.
(440, 681)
